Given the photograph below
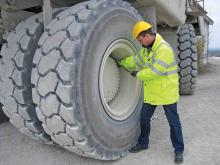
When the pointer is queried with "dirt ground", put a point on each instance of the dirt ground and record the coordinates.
(200, 117)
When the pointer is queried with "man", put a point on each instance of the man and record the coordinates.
(159, 74)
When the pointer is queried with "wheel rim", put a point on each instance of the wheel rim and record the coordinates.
(119, 91)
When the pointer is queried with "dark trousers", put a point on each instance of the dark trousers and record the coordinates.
(175, 126)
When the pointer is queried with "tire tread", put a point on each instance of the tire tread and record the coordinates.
(187, 59)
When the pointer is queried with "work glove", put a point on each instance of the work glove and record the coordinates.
(119, 64)
(133, 73)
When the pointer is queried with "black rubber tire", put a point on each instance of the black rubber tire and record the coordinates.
(187, 59)
(66, 79)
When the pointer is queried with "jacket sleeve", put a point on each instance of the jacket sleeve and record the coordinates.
(128, 62)
(146, 74)
(132, 61)
(164, 63)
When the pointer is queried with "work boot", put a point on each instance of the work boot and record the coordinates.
(137, 148)
(178, 158)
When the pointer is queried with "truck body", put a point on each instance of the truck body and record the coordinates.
(59, 78)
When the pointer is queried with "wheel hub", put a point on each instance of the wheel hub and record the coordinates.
(111, 79)
(119, 91)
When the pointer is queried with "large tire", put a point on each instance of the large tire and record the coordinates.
(69, 65)
(187, 59)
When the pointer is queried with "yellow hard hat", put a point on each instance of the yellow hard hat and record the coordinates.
(139, 27)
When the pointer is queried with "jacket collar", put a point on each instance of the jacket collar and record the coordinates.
(155, 43)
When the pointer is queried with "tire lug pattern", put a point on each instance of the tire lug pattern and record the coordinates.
(187, 59)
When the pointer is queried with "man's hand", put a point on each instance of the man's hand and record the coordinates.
(134, 73)
(119, 64)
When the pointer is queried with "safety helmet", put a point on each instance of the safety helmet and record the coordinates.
(139, 27)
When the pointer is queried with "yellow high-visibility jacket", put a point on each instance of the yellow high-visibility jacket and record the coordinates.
(158, 72)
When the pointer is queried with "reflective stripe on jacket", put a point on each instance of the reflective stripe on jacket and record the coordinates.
(159, 72)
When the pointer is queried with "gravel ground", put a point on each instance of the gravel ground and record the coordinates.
(199, 113)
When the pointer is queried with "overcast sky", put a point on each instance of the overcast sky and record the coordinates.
(212, 7)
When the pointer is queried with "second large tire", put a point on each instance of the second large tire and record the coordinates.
(15, 76)
(17, 56)
(81, 108)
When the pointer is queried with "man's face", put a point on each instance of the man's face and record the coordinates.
(145, 39)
